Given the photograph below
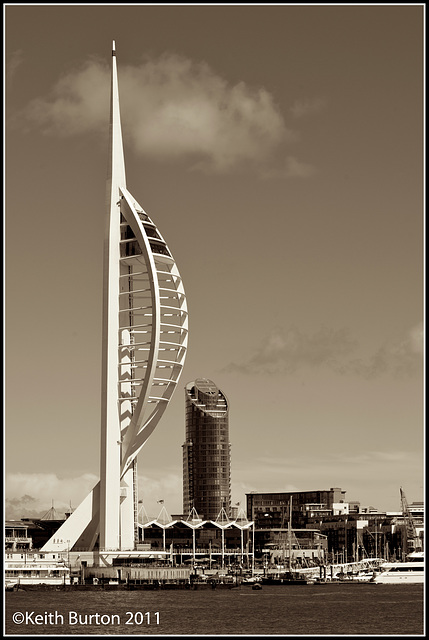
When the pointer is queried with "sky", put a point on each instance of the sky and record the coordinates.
(279, 150)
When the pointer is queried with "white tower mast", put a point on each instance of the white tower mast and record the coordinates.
(110, 422)
(145, 335)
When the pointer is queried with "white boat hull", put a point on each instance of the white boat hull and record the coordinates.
(412, 571)
(389, 578)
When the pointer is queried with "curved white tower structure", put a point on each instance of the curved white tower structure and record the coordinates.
(145, 333)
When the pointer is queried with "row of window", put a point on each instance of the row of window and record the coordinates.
(216, 471)
(210, 493)
(132, 248)
(208, 446)
(207, 429)
(214, 459)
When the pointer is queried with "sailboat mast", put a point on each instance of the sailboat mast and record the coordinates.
(289, 534)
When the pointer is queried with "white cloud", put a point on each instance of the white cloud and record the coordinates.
(78, 103)
(182, 108)
(173, 107)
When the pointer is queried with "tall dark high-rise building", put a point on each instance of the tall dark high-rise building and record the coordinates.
(206, 451)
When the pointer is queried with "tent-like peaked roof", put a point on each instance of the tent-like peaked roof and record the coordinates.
(222, 518)
(164, 517)
(241, 518)
(143, 517)
(193, 518)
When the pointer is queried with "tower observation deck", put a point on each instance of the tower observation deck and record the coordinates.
(144, 343)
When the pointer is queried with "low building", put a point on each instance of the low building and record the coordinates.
(17, 537)
(41, 530)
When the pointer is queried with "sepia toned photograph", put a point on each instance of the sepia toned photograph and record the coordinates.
(214, 287)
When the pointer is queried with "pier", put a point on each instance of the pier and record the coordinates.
(333, 571)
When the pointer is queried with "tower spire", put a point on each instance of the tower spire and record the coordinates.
(117, 164)
(110, 420)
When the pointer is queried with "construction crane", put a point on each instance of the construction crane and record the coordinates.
(413, 540)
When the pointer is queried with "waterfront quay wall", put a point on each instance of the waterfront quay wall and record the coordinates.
(137, 574)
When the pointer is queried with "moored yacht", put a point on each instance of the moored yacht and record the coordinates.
(410, 571)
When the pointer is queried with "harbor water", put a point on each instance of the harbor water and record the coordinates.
(328, 609)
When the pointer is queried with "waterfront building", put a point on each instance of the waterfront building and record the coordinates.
(144, 343)
(271, 510)
(17, 537)
(352, 532)
(204, 541)
(206, 451)
(357, 536)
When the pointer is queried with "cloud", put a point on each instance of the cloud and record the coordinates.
(32, 494)
(16, 58)
(183, 108)
(403, 357)
(172, 107)
(78, 103)
(284, 351)
(302, 108)
(25, 506)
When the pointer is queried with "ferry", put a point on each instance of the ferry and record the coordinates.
(411, 571)
(35, 569)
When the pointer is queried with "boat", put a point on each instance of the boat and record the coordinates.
(23, 569)
(363, 576)
(411, 571)
(287, 577)
(251, 580)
